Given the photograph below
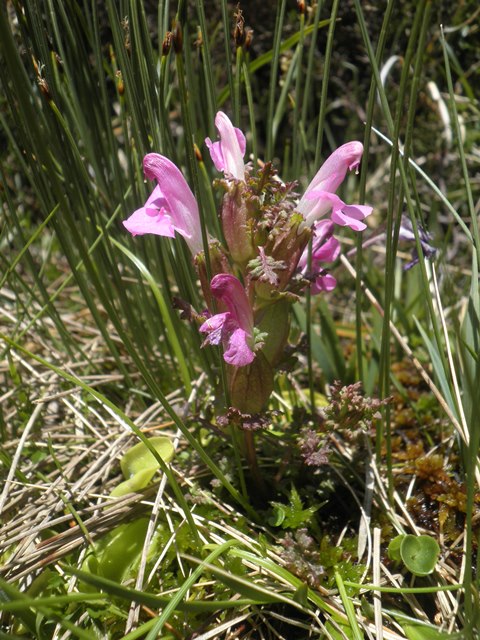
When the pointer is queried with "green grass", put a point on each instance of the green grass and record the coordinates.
(94, 356)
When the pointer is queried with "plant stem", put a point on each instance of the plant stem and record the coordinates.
(252, 460)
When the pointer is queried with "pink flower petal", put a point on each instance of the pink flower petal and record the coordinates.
(214, 327)
(156, 199)
(178, 199)
(333, 171)
(215, 149)
(238, 352)
(346, 215)
(230, 291)
(142, 221)
(227, 154)
(328, 178)
(327, 252)
(351, 215)
(323, 283)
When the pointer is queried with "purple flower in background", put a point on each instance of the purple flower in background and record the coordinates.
(170, 208)
(325, 248)
(406, 234)
(233, 328)
(320, 199)
(227, 153)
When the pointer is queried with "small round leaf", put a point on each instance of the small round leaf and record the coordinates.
(419, 554)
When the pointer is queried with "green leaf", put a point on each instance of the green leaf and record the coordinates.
(293, 515)
(419, 554)
(118, 552)
(114, 589)
(418, 631)
(139, 457)
(301, 595)
(139, 465)
(394, 548)
(415, 630)
(136, 483)
(246, 587)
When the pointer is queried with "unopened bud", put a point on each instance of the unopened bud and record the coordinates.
(248, 39)
(167, 43)
(177, 38)
(301, 6)
(237, 224)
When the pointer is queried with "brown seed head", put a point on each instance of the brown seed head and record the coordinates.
(167, 43)
(44, 88)
(239, 29)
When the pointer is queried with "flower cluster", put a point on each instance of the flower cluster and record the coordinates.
(265, 265)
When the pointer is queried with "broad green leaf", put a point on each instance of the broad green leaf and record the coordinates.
(139, 465)
(117, 553)
(419, 554)
(136, 483)
(139, 458)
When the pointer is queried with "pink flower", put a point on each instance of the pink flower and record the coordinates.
(325, 248)
(319, 198)
(170, 208)
(227, 154)
(346, 215)
(233, 328)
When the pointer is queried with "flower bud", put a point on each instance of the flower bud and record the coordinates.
(237, 224)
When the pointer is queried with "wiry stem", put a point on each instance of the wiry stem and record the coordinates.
(252, 460)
